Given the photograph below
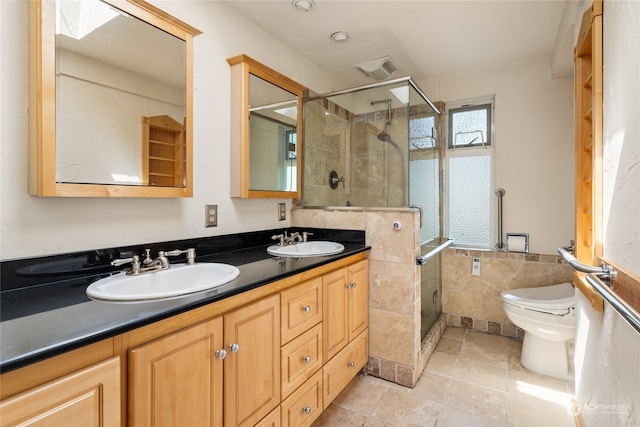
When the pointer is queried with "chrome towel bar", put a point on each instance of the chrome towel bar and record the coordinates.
(422, 260)
(628, 313)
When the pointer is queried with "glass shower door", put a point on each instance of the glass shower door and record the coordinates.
(425, 192)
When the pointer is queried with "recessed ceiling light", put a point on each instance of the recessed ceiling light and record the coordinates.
(303, 5)
(340, 36)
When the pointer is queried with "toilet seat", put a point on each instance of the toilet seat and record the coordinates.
(554, 299)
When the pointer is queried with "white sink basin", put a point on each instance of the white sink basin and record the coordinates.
(178, 280)
(306, 249)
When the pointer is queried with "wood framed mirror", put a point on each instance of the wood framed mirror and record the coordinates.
(110, 100)
(266, 113)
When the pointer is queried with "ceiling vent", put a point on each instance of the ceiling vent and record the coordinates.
(379, 69)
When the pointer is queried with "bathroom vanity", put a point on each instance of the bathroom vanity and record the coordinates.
(273, 347)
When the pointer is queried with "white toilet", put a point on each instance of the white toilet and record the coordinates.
(547, 316)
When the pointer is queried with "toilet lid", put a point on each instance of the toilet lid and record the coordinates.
(552, 298)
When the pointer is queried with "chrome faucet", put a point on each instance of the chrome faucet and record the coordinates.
(286, 239)
(160, 263)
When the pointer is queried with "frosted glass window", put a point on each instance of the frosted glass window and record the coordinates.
(422, 133)
(424, 192)
(470, 200)
(470, 126)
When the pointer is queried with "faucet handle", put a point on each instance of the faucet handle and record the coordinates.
(305, 235)
(147, 259)
(279, 237)
(191, 254)
(134, 260)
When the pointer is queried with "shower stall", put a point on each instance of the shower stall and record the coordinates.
(377, 147)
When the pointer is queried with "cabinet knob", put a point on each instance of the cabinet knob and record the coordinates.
(221, 354)
(234, 348)
(351, 285)
(307, 359)
(352, 364)
(307, 410)
(306, 309)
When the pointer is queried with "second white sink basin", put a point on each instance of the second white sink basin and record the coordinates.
(178, 280)
(306, 249)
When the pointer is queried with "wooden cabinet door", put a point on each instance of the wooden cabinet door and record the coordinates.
(335, 319)
(89, 397)
(176, 380)
(358, 298)
(252, 366)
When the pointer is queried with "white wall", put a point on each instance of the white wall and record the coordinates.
(534, 146)
(607, 348)
(33, 226)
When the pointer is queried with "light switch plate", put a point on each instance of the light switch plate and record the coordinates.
(475, 267)
(210, 215)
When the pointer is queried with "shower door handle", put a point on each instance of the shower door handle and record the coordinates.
(421, 212)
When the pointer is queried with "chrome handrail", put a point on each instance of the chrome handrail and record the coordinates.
(422, 260)
(628, 313)
(577, 265)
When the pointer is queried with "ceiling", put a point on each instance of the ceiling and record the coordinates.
(425, 38)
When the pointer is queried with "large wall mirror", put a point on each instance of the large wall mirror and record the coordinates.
(110, 99)
(266, 112)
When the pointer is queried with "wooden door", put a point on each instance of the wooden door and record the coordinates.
(358, 298)
(176, 380)
(89, 397)
(252, 366)
(335, 320)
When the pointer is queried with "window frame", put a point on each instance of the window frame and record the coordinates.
(465, 107)
(479, 149)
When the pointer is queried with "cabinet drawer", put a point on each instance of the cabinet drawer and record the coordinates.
(271, 420)
(300, 308)
(344, 366)
(304, 405)
(300, 358)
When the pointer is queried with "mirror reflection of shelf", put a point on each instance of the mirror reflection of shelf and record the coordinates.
(163, 151)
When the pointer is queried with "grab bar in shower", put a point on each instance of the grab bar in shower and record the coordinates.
(500, 246)
(422, 260)
(628, 313)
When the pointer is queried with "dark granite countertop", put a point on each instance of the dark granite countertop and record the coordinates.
(45, 310)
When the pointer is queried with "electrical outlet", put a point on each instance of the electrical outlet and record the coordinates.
(475, 267)
(210, 215)
(282, 211)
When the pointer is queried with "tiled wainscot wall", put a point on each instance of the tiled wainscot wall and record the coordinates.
(474, 302)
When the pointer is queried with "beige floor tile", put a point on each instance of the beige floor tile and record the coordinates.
(441, 363)
(485, 375)
(491, 404)
(522, 378)
(453, 332)
(454, 417)
(449, 345)
(361, 395)
(485, 348)
(400, 408)
(431, 386)
(335, 416)
(542, 408)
